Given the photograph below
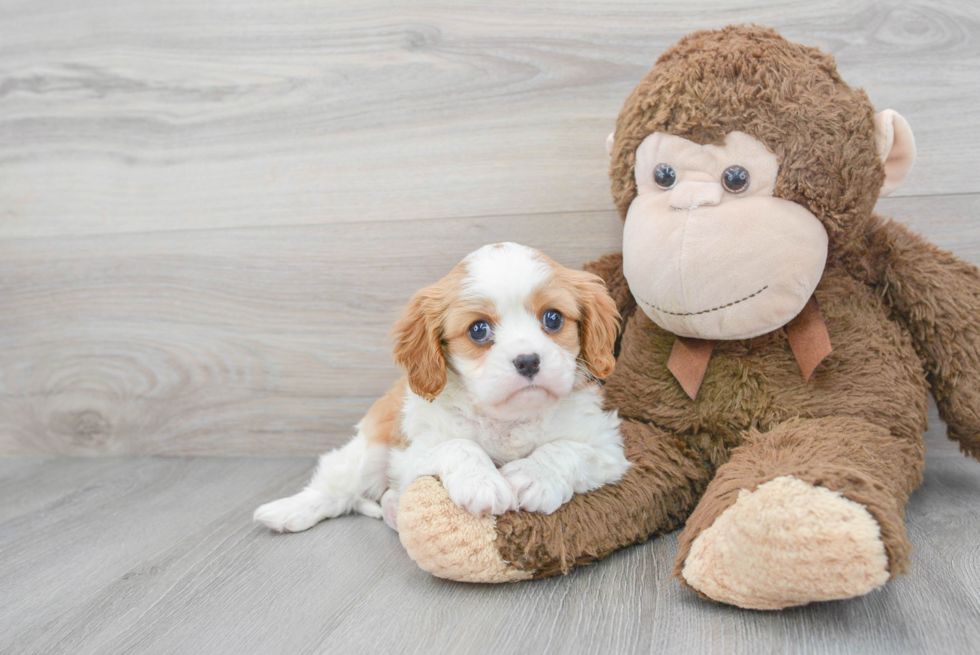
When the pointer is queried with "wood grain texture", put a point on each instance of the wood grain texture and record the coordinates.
(157, 555)
(151, 116)
(204, 209)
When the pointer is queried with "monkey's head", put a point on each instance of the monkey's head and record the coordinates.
(741, 163)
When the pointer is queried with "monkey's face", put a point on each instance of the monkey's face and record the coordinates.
(708, 250)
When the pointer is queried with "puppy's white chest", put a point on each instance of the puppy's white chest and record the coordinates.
(505, 443)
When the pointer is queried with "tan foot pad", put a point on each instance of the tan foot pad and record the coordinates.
(446, 540)
(788, 543)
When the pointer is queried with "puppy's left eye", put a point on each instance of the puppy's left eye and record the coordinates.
(480, 332)
(552, 320)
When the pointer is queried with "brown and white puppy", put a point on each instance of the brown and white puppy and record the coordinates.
(501, 359)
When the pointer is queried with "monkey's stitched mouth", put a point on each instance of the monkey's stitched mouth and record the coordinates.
(703, 311)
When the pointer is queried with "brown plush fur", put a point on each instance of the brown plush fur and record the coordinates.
(936, 297)
(904, 318)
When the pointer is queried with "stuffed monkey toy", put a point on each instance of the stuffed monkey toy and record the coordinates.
(778, 344)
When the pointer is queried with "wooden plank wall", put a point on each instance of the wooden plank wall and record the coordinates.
(210, 213)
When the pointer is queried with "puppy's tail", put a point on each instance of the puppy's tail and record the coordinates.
(348, 479)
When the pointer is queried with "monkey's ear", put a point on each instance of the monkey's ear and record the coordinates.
(896, 147)
(418, 343)
(610, 140)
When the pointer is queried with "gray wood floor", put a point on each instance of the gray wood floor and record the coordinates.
(158, 555)
(210, 213)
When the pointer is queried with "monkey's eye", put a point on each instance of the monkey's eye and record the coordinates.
(735, 179)
(664, 176)
(480, 332)
(552, 320)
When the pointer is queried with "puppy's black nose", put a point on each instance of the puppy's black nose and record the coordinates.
(527, 365)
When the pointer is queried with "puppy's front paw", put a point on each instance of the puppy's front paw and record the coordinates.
(538, 489)
(480, 492)
(295, 513)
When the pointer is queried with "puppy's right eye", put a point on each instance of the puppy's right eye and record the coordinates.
(552, 320)
(480, 332)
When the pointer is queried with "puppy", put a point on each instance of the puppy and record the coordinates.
(502, 360)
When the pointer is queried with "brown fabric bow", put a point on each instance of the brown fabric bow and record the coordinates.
(808, 339)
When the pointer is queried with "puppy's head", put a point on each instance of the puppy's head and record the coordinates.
(518, 329)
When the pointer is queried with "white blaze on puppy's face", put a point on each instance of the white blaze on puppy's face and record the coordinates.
(709, 251)
(510, 287)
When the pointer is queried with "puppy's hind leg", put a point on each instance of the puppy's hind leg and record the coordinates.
(336, 489)
(349, 479)
(389, 508)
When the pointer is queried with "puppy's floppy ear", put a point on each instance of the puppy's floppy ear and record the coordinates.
(418, 343)
(599, 324)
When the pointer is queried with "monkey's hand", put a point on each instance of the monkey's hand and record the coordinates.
(937, 297)
(654, 497)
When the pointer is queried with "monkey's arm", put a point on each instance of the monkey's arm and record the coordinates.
(610, 269)
(937, 297)
(655, 496)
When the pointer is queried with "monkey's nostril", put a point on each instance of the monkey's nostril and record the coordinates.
(527, 365)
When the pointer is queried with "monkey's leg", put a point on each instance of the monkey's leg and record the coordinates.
(655, 496)
(811, 510)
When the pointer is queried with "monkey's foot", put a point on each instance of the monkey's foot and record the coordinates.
(787, 543)
(446, 540)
